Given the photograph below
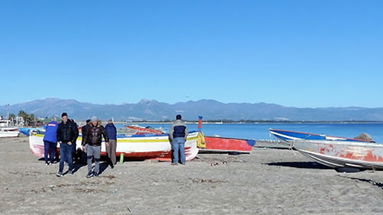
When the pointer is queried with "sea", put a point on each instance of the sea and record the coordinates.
(260, 131)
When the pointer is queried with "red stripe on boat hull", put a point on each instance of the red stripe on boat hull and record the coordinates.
(227, 144)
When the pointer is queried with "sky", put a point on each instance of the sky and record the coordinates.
(317, 53)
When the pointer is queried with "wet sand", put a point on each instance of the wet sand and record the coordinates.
(268, 181)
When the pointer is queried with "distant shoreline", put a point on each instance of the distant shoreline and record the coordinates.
(219, 122)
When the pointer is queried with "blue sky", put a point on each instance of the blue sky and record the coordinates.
(315, 53)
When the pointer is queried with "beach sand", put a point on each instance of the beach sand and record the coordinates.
(268, 181)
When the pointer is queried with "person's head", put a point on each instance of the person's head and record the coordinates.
(178, 117)
(110, 121)
(64, 117)
(88, 121)
(94, 121)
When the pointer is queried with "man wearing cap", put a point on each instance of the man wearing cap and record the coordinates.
(111, 132)
(66, 136)
(93, 140)
(178, 134)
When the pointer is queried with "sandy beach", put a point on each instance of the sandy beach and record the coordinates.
(268, 181)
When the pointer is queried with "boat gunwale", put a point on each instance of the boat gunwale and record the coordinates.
(313, 134)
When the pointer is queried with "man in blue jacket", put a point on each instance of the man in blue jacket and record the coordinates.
(111, 132)
(50, 142)
(178, 135)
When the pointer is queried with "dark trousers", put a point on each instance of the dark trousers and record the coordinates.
(83, 157)
(111, 151)
(65, 156)
(49, 150)
(74, 151)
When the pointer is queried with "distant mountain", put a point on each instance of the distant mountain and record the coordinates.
(210, 109)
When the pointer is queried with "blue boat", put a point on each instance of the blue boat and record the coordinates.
(27, 131)
(288, 136)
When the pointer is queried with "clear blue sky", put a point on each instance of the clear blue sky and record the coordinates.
(315, 53)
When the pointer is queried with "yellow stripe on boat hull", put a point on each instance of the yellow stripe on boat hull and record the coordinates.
(122, 140)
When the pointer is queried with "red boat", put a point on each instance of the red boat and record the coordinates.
(142, 130)
(227, 145)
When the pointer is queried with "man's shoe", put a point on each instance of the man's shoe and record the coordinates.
(90, 175)
(175, 164)
(47, 163)
(59, 174)
(71, 172)
(112, 166)
(96, 174)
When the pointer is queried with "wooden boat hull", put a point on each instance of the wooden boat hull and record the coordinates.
(229, 145)
(137, 147)
(340, 154)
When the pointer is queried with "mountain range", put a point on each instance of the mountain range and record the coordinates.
(210, 109)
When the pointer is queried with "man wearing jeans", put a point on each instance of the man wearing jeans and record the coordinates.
(50, 142)
(93, 140)
(178, 134)
(66, 136)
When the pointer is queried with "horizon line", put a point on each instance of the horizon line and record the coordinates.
(198, 100)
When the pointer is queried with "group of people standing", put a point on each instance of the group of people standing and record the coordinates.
(93, 133)
(66, 134)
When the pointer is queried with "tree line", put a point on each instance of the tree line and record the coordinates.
(29, 119)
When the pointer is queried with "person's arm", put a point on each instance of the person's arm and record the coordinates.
(86, 137)
(105, 135)
(77, 133)
(59, 137)
(171, 132)
(106, 128)
(83, 134)
(74, 133)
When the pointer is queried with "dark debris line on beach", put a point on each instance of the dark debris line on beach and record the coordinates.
(369, 181)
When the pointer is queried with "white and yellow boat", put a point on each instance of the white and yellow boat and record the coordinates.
(136, 147)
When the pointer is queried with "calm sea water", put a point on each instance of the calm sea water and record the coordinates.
(260, 131)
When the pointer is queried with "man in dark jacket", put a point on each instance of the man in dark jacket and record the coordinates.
(93, 140)
(66, 136)
(84, 132)
(178, 135)
(111, 132)
(74, 145)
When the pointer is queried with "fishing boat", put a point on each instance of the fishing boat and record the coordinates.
(144, 130)
(342, 154)
(288, 136)
(27, 131)
(209, 144)
(137, 147)
(6, 130)
(227, 145)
